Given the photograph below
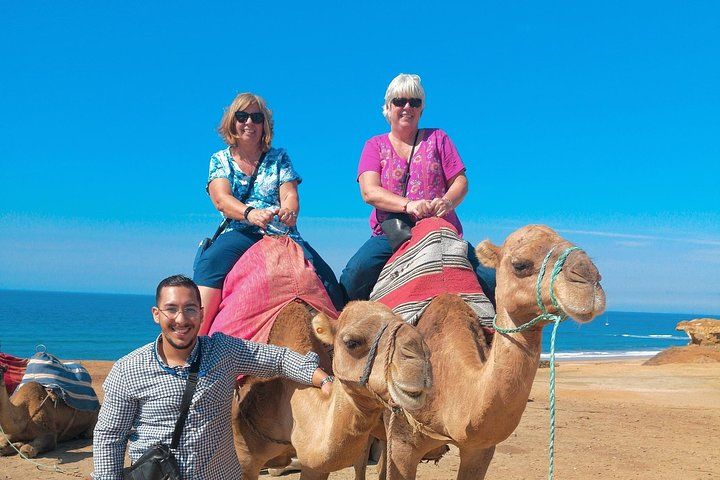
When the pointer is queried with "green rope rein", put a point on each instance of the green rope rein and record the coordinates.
(556, 319)
(39, 466)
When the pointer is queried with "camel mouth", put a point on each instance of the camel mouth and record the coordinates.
(584, 308)
(410, 394)
(408, 399)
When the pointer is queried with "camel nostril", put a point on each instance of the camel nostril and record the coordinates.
(581, 272)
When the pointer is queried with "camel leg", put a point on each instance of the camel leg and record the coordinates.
(9, 448)
(403, 461)
(28, 450)
(5, 442)
(292, 464)
(474, 463)
(41, 444)
(89, 432)
(250, 465)
(361, 463)
(310, 474)
(382, 460)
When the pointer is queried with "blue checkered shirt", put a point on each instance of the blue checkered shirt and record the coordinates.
(143, 396)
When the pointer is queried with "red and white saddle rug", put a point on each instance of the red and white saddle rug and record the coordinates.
(434, 261)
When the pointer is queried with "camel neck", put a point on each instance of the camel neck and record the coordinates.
(514, 355)
(344, 424)
(9, 419)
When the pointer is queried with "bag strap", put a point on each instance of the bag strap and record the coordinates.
(406, 180)
(226, 221)
(187, 399)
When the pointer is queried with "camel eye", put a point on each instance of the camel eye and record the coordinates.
(351, 343)
(522, 268)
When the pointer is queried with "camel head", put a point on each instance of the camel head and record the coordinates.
(372, 347)
(518, 262)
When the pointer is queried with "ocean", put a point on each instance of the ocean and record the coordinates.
(91, 326)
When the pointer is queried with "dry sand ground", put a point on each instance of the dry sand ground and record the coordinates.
(619, 420)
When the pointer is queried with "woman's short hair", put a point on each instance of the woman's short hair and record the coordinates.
(404, 85)
(228, 130)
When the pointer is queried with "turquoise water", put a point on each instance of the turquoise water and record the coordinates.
(106, 326)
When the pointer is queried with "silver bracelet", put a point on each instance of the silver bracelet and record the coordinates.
(328, 379)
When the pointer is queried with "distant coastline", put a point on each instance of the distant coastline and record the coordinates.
(102, 326)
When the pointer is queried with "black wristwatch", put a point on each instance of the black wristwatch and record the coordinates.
(247, 211)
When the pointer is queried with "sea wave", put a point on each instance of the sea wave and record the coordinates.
(601, 355)
(661, 337)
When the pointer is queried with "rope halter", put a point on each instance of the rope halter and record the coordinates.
(365, 377)
(544, 315)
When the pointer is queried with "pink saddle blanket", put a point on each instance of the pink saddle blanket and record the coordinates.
(269, 275)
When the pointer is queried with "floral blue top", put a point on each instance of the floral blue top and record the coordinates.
(276, 169)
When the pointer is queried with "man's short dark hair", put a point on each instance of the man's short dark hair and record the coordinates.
(178, 281)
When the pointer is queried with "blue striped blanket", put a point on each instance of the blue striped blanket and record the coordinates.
(69, 381)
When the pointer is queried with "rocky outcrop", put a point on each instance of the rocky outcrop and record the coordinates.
(702, 331)
(687, 354)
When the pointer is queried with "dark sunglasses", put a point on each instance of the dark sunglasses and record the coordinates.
(402, 101)
(257, 117)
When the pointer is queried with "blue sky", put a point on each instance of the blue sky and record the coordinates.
(599, 119)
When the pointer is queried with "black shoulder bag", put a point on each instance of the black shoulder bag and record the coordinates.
(397, 226)
(206, 242)
(159, 463)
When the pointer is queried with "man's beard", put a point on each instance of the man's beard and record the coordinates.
(179, 347)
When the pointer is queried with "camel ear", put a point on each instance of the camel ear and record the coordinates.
(323, 328)
(488, 254)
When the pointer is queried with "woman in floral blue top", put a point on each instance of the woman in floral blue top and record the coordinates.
(270, 203)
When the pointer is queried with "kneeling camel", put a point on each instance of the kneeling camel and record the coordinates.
(34, 420)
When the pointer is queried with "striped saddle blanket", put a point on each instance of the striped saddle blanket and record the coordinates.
(434, 261)
(69, 381)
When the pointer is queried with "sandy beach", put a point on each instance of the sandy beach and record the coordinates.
(614, 419)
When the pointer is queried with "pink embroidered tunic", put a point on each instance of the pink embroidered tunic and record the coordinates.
(434, 161)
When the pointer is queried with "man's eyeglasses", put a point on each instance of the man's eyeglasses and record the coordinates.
(189, 312)
(257, 117)
(402, 101)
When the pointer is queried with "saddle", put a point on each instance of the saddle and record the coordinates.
(433, 262)
(69, 381)
(270, 274)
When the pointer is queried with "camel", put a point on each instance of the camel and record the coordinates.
(275, 419)
(481, 390)
(34, 420)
